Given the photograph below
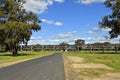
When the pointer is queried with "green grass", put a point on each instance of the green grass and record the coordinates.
(109, 58)
(7, 56)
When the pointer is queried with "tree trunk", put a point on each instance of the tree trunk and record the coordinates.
(15, 50)
(116, 49)
(7, 48)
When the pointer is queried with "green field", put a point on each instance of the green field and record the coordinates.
(7, 56)
(109, 58)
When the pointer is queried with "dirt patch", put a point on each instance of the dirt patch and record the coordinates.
(91, 65)
(111, 76)
(107, 76)
(70, 72)
(77, 62)
(76, 59)
(76, 69)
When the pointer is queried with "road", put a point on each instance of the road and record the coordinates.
(45, 68)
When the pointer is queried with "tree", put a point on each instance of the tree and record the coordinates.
(63, 45)
(79, 43)
(112, 21)
(16, 25)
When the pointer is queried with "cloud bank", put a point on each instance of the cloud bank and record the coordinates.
(89, 1)
(68, 37)
(39, 6)
(56, 23)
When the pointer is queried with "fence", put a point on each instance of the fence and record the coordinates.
(91, 45)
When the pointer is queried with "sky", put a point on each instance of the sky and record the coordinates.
(69, 20)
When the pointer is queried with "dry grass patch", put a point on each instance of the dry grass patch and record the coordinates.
(91, 65)
(94, 66)
(98, 74)
(76, 59)
(70, 72)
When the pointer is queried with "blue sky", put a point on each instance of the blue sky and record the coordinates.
(68, 20)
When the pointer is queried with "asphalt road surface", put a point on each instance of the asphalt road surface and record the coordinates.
(45, 68)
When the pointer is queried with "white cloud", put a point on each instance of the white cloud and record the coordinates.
(48, 41)
(89, 1)
(91, 32)
(96, 28)
(58, 23)
(105, 29)
(52, 22)
(66, 35)
(101, 39)
(70, 40)
(60, 1)
(101, 29)
(39, 6)
(35, 38)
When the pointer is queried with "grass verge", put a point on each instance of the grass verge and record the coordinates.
(7, 56)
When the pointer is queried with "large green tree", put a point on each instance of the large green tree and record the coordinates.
(63, 45)
(112, 21)
(79, 43)
(16, 25)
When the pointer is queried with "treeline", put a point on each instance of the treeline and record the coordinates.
(66, 47)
